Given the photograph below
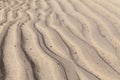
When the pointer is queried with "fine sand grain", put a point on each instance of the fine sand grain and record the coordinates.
(59, 39)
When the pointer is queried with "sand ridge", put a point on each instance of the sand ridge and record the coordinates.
(59, 40)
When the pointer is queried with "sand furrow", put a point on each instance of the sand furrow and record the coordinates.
(47, 64)
(106, 48)
(20, 66)
(70, 39)
(59, 40)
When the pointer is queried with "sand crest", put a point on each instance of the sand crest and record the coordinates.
(59, 40)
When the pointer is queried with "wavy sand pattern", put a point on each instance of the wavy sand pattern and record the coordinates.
(59, 39)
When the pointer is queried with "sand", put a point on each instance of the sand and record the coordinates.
(59, 39)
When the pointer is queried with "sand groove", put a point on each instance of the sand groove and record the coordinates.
(59, 40)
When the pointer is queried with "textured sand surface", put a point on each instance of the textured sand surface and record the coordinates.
(59, 39)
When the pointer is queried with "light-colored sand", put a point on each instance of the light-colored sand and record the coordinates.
(59, 39)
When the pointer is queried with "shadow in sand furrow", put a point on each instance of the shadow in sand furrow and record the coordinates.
(100, 42)
(66, 65)
(3, 35)
(77, 43)
(56, 55)
(2, 67)
(2, 70)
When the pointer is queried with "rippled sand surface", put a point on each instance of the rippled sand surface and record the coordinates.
(59, 39)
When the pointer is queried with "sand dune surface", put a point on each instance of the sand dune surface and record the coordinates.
(59, 39)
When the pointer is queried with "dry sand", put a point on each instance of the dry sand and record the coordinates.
(59, 39)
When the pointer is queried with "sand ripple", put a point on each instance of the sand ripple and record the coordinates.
(59, 40)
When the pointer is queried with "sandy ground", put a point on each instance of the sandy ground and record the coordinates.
(59, 39)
